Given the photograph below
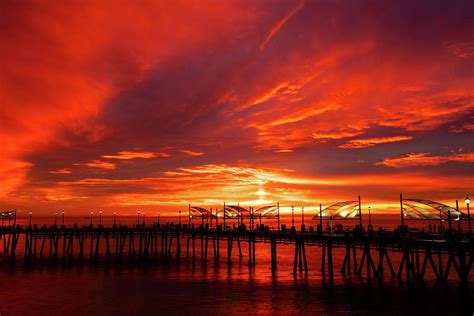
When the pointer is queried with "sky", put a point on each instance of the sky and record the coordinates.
(126, 105)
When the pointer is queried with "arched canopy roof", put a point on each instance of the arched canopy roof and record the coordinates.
(234, 211)
(7, 214)
(200, 212)
(415, 212)
(267, 211)
(339, 210)
(439, 207)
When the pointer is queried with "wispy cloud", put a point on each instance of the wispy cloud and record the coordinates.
(61, 171)
(280, 24)
(126, 155)
(424, 159)
(322, 137)
(192, 152)
(98, 164)
(371, 142)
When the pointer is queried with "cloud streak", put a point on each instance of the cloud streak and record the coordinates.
(281, 23)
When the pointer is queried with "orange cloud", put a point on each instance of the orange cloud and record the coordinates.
(371, 142)
(126, 155)
(61, 171)
(326, 136)
(191, 153)
(98, 164)
(423, 159)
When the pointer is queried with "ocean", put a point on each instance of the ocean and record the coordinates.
(180, 286)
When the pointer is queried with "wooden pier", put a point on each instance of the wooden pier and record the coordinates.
(366, 253)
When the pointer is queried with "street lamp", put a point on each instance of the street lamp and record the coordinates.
(31, 213)
(138, 217)
(92, 213)
(62, 221)
(100, 218)
(468, 201)
(302, 215)
(370, 220)
(292, 216)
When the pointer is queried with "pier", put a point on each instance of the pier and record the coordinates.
(367, 252)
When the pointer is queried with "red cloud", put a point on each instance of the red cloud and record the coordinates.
(424, 159)
(253, 90)
(371, 142)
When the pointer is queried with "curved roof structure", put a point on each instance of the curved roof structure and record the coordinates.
(440, 207)
(234, 211)
(200, 212)
(7, 215)
(416, 212)
(267, 211)
(340, 210)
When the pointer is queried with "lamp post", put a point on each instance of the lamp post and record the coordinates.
(55, 218)
(3, 218)
(278, 214)
(138, 217)
(302, 215)
(92, 213)
(449, 219)
(31, 213)
(252, 218)
(210, 216)
(292, 216)
(224, 217)
(100, 218)
(240, 214)
(321, 218)
(401, 212)
(459, 215)
(62, 220)
(468, 201)
(370, 218)
(440, 220)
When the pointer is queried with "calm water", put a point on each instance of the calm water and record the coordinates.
(131, 287)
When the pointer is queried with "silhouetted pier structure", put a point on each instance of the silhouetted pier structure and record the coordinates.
(367, 253)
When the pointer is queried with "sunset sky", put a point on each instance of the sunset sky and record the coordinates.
(156, 104)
